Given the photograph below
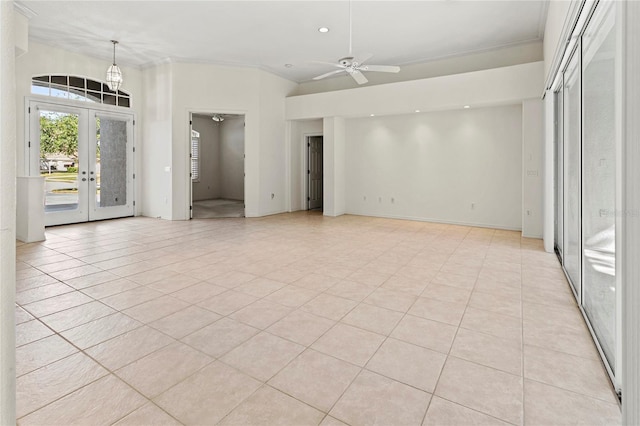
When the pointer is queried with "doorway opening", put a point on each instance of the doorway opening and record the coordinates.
(314, 173)
(217, 165)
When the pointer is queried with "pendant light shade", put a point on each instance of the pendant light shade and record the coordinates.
(114, 75)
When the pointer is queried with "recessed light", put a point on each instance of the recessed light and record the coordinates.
(323, 29)
(467, 107)
(417, 110)
(372, 115)
(288, 65)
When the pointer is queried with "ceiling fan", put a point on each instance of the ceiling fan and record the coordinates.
(355, 66)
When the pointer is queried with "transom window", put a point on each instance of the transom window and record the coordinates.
(78, 89)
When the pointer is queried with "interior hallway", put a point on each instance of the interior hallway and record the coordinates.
(300, 319)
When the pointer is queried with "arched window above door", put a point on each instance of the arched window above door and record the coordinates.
(79, 89)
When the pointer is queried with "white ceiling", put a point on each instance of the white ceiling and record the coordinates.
(269, 34)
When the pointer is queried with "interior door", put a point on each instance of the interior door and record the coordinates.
(58, 152)
(314, 146)
(110, 165)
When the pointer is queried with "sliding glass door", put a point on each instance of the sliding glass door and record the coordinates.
(599, 141)
(588, 126)
(559, 174)
(572, 181)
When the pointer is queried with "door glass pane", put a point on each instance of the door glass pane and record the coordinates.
(111, 162)
(571, 105)
(59, 160)
(599, 176)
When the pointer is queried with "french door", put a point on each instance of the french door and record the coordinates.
(86, 158)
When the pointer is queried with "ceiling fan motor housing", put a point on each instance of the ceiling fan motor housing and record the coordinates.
(346, 61)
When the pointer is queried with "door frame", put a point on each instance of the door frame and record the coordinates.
(305, 166)
(189, 116)
(101, 213)
(617, 377)
(31, 165)
(81, 213)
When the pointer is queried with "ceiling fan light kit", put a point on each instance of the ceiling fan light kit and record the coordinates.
(355, 66)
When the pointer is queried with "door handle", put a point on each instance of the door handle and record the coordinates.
(84, 179)
(92, 179)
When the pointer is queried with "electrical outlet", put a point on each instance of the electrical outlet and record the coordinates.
(273, 195)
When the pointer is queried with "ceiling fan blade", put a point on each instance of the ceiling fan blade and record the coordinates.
(359, 77)
(333, 64)
(320, 77)
(363, 58)
(381, 68)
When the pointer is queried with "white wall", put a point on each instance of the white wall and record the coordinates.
(155, 153)
(334, 177)
(258, 95)
(299, 130)
(272, 148)
(208, 186)
(532, 168)
(163, 96)
(555, 29)
(486, 89)
(206, 88)
(231, 158)
(502, 57)
(434, 166)
(43, 60)
(20, 33)
(7, 216)
(496, 86)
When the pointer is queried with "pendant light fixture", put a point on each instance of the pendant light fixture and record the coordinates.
(217, 118)
(114, 75)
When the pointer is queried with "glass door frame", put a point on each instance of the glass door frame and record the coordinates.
(97, 212)
(558, 85)
(81, 213)
(596, 16)
(558, 134)
(576, 287)
(32, 150)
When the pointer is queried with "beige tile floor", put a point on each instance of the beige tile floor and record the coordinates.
(299, 319)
